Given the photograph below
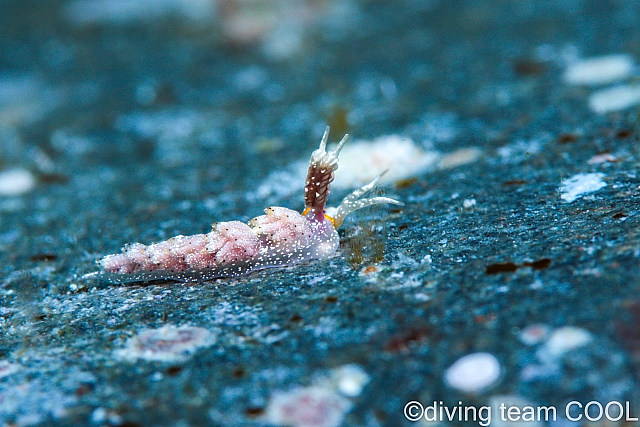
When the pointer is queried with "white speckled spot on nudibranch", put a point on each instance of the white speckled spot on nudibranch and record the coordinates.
(281, 237)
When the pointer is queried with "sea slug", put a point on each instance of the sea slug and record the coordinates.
(282, 237)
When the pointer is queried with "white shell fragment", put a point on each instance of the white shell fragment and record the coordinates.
(599, 70)
(168, 343)
(473, 372)
(460, 157)
(565, 339)
(362, 161)
(615, 98)
(578, 185)
(14, 182)
(468, 203)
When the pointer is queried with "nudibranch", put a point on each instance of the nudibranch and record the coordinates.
(282, 237)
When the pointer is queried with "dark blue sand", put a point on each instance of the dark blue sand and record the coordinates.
(158, 124)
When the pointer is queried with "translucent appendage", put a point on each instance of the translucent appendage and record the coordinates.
(354, 201)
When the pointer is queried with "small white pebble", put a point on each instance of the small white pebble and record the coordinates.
(473, 372)
(578, 185)
(534, 334)
(615, 98)
(536, 285)
(468, 203)
(602, 158)
(599, 70)
(565, 339)
(99, 415)
(14, 182)
(420, 296)
(350, 379)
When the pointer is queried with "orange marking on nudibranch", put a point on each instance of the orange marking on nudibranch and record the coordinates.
(333, 221)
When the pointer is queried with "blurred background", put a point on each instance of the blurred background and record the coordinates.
(137, 120)
(206, 84)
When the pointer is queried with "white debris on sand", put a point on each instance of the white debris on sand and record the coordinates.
(460, 157)
(555, 345)
(168, 343)
(322, 404)
(314, 406)
(578, 185)
(349, 379)
(14, 182)
(603, 70)
(615, 98)
(361, 161)
(468, 203)
(473, 373)
(602, 158)
(562, 341)
(599, 70)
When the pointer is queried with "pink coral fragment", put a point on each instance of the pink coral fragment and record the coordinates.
(314, 406)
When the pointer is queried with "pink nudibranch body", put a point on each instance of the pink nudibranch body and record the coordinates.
(282, 237)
